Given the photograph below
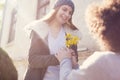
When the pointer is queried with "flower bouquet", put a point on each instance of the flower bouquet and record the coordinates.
(71, 42)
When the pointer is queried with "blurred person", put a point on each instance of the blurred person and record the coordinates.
(7, 68)
(47, 38)
(104, 23)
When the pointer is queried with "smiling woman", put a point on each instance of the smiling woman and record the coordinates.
(43, 64)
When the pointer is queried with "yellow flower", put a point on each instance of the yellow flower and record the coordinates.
(68, 36)
(71, 40)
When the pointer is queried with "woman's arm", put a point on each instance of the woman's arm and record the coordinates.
(39, 56)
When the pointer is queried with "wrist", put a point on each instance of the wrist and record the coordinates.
(66, 58)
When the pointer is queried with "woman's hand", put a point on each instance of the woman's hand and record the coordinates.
(74, 61)
(64, 53)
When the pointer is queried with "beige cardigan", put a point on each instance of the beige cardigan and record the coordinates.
(99, 66)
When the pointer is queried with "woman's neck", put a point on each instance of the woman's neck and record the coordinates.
(55, 23)
(55, 28)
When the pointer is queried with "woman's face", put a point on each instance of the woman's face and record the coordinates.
(64, 14)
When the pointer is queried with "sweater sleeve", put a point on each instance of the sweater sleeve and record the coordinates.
(92, 69)
(67, 73)
(65, 68)
(39, 56)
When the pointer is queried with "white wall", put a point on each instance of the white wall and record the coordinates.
(27, 13)
(79, 20)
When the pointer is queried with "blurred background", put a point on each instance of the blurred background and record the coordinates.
(16, 14)
(2, 3)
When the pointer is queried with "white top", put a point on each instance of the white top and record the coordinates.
(52, 72)
(99, 66)
(56, 43)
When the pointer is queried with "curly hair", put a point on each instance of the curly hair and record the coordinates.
(104, 23)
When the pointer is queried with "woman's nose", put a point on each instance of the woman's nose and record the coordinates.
(67, 14)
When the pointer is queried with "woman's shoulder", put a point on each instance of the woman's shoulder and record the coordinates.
(37, 26)
(103, 54)
(98, 57)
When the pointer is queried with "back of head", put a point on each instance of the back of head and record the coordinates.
(7, 68)
(104, 23)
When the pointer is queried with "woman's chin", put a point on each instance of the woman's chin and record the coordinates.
(63, 22)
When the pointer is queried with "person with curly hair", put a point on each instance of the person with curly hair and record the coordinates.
(104, 24)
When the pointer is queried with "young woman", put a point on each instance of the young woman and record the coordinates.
(104, 23)
(47, 39)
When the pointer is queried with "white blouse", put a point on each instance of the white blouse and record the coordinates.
(55, 44)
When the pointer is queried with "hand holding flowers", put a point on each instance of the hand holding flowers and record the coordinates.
(71, 43)
(64, 53)
(71, 40)
(71, 49)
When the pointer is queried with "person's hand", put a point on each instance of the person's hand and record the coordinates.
(74, 61)
(63, 53)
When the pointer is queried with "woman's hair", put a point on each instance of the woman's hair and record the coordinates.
(104, 23)
(50, 16)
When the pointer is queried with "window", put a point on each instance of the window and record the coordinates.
(12, 25)
(42, 8)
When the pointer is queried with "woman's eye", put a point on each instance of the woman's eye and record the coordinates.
(64, 9)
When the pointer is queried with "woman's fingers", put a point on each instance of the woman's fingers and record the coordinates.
(74, 60)
(63, 53)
